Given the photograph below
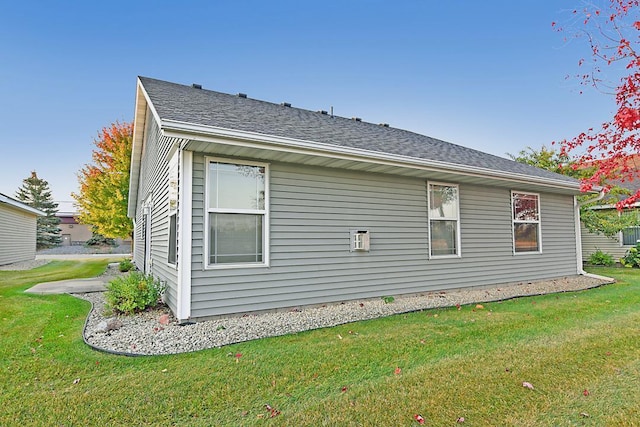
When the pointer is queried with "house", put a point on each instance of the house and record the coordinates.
(72, 232)
(18, 241)
(618, 245)
(242, 205)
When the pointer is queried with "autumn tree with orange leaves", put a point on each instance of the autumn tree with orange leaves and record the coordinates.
(104, 184)
(613, 35)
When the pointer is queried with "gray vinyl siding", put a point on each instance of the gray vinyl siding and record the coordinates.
(591, 242)
(312, 211)
(18, 240)
(153, 181)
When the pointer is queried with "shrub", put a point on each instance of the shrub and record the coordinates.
(125, 265)
(632, 257)
(601, 258)
(100, 240)
(388, 300)
(133, 293)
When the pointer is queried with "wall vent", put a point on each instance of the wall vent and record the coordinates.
(360, 240)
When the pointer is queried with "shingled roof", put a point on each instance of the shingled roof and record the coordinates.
(197, 106)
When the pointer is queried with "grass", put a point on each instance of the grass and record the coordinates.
(452, 363)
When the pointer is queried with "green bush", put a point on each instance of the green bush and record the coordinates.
(632, 257)
(133, 293)
(125, 265)
(99, 240)
(601, 258)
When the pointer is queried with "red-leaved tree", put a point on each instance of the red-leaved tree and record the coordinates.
(613, 34)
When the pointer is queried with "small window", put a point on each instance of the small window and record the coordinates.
(444, 223)
(526, 222)
(174, 179)
(173, 241)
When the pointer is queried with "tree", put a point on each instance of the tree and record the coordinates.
(35, 193)
(613, 35)
(601, 221)
(104, 184)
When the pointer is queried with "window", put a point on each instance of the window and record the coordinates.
(444, 225)
(236, 213)
(173, 249)
(172, 255)
(630, 235)
(526, 222)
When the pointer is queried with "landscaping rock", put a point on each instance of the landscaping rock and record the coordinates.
(140, 333)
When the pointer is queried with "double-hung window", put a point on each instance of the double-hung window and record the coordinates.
(444, 222)
(236, 213)
(526, 222)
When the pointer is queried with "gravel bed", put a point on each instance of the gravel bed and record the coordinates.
(157, 331)
(24, 265)
(87, 250)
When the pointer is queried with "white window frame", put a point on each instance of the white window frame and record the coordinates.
(265, 213)
(458, 253)
(514, 221)
(172, 201)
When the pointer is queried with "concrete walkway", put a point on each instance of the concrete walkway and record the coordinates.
(69, 286)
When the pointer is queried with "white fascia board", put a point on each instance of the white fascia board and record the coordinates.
(179, 129)
(139, 125)
(18, 205)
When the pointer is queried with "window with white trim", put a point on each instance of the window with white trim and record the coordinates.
(236, 213)
(444, 223)
(526, 222)
(172, 250)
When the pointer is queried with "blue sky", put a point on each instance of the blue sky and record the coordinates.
(488, 75)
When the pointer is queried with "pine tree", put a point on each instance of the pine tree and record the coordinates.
(35, 193)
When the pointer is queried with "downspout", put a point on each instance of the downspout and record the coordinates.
(576, 206)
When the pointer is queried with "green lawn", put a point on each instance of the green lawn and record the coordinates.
(452, 363)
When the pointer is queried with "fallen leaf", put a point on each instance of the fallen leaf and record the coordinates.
(397, 371)
(339, 336)
(164, 319)
(586, 392)
(418, 418)
(527, 385)
(480, 306)
(76, 381)
(459, 307)
(260, 416)
(435, 315)
(460, 420)
(422, 341)
(164, 370)
(344, 389)
(584, 415)
(238, 355)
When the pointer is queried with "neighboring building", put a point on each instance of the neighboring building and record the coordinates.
(242, 205)
(616, 246)
(72, 232)
(18, 240)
